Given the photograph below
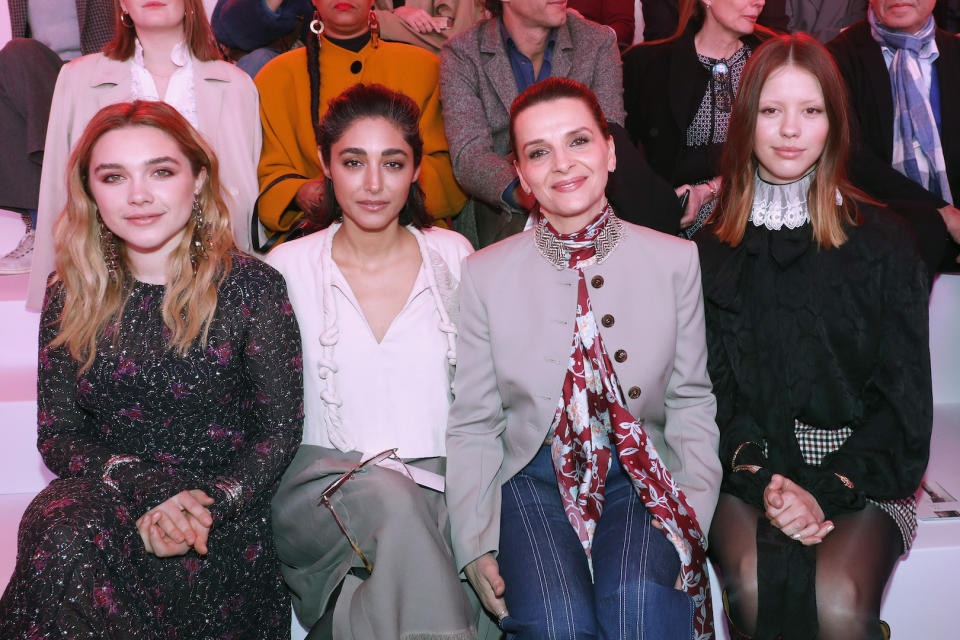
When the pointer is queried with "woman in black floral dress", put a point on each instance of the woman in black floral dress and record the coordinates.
(169, 403)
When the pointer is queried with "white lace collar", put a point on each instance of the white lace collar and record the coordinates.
(781, 205)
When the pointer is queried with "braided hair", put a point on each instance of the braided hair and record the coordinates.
(313, 70)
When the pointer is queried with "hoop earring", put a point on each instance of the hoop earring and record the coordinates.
(374, 26)
(201, 235)
(126, 20)
(108, 246)
(316, 25)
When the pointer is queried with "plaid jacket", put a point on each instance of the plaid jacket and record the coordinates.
(96, 22)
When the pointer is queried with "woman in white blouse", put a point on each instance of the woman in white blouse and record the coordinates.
(367, 554)
(162, 51)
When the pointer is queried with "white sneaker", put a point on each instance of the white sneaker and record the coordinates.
(19, 260)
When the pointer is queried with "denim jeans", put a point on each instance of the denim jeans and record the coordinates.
(549, 590)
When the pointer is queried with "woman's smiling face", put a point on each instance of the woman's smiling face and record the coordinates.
(564, 159)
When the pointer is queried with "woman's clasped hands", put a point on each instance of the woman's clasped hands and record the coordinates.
(177, 524)
(795, 511)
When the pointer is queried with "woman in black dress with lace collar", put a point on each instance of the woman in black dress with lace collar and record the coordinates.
(169, 403)
(816, 307)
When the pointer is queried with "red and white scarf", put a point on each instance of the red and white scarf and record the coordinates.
(592, 409)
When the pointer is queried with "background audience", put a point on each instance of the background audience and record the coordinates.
(253, 32)
(901, 73)
(46, 33)
(679, 94)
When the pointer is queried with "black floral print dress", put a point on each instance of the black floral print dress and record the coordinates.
(227, 419)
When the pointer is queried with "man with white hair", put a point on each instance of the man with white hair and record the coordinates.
(903, 75)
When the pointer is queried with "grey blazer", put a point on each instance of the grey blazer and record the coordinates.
(477, 88)
(516, 326)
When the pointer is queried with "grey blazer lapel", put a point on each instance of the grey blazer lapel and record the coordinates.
(496, 63)
(563, 52)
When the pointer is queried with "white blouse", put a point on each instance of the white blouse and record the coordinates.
(180, 95)
(395, 393)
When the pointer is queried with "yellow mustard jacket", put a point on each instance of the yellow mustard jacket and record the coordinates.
(289, 146)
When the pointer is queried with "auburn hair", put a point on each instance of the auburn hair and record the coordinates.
(738, 163)
(93, 297)
(196, 30)
(556, 88)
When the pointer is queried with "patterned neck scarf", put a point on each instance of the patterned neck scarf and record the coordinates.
(592, 422)
(913, 120)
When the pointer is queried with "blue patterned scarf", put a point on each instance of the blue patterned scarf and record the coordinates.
(914, 127)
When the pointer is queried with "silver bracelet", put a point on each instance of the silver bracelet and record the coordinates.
(112, 463)
(230, 487)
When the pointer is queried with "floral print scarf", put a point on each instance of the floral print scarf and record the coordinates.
(592, 418)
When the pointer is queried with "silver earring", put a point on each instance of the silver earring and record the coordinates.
(316, 25)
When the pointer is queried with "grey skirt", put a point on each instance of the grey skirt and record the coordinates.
(413, 592)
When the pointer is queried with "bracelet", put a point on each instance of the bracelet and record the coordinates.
(112, 463)
(844, 479)
(714, 190)
(752, 468)
(230, 487)
(733, 460)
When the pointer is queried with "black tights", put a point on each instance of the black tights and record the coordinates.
(854, 562)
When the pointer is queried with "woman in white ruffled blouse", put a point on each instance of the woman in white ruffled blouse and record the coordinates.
(375, 297)
(162, 51)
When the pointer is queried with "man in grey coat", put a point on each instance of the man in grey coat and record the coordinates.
(481, 72)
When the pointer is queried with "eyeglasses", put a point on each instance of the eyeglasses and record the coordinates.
(339, 482)
(722, 87)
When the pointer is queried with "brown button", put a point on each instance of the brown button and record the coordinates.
(596, 282)
(607, 320)
(634, 393)
(620, 355)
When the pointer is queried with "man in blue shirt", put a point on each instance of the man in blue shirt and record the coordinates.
(481, 72)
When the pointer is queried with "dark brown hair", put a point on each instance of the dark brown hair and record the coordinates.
(554, 89)
(739, 164)
(374, 101)
(196, 30)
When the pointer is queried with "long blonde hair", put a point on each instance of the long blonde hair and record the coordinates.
(93, 298)
(738, 164)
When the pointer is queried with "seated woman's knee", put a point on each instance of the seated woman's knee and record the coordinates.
(841, 602)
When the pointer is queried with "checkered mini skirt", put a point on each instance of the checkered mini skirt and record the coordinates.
(815, 444)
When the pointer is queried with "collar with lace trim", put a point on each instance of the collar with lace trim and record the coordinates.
(781, 205)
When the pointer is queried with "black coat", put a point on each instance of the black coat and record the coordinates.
(663, 86)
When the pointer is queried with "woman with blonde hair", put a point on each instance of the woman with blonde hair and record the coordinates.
(817, 329)
(161, 51)
(169, 403)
